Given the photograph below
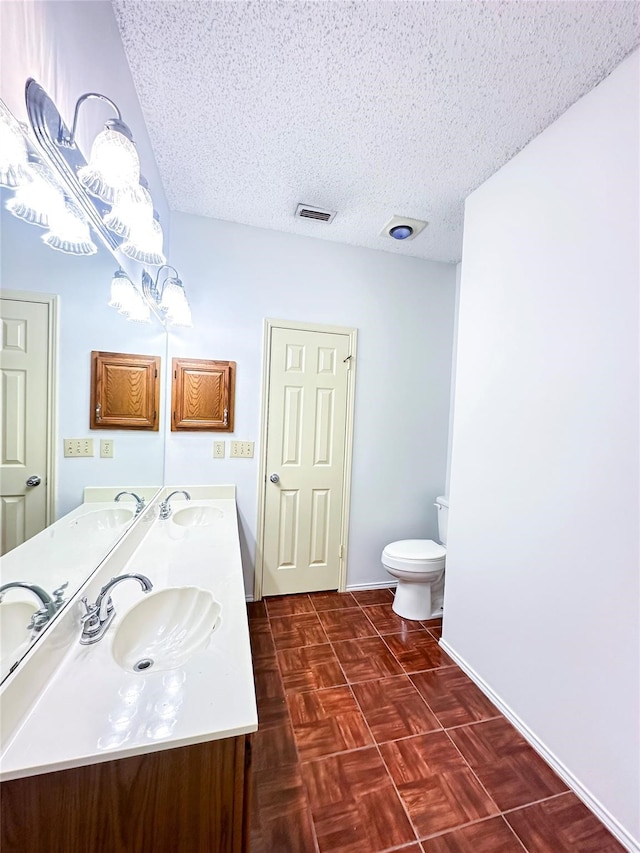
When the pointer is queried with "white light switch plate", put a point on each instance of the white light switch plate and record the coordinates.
(78, 447)
(241, 450)
(218, 449)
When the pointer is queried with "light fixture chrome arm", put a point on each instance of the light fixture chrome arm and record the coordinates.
(168, 297)
(151, 288)
(68, 138)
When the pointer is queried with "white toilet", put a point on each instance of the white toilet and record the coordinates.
(418, 565)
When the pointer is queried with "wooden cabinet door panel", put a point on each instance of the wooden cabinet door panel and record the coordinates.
(202, 395)
(125, 391)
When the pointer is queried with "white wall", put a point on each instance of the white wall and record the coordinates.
(85, 323)
(403, 308)
(542, 596)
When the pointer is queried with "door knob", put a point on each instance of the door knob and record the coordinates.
(274, 478)
(34, 481)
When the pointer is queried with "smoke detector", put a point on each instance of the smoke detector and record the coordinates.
(403, 228)
(306, 211)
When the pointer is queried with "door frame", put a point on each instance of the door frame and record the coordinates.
(294, 325)
(51, 472)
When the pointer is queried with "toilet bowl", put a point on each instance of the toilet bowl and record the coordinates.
(418, 566)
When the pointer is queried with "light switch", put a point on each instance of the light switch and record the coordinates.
(78, 447)
(241, 450)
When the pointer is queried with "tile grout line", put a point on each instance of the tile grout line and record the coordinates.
(375, 743)
(377, 746)
(450, 666)
(373, 739)
(450, 740)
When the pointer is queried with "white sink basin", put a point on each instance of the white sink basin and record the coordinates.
(105, 519)
(14, 634)
(165, 629)
(197, 516)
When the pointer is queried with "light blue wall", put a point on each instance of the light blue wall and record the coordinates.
(403, 308)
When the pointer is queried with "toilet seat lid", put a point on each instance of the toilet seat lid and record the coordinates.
(423, 550)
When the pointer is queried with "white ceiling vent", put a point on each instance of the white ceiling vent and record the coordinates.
(305, 211)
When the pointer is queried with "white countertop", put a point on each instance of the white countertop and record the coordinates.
(91, 710)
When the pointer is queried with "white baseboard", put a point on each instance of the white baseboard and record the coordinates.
(628, 842)
(350, 587)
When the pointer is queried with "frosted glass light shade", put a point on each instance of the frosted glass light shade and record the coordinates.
(139, 311)
(145, 244)
(39, 200)
(127, 299)
(69, 233)
(14, 164)
(122, 292)
(174, 303)
(113, 166)
(132, 210)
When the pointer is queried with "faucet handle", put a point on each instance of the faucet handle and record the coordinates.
(38, 620)
(58, 594)
(90, 619)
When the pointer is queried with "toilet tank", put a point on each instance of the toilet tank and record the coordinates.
(442, 505)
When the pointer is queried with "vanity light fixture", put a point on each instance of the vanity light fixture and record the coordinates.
(168, 296)
(37, 200)
(144, 243)
(68, 232)
(14, 167)
(132, 208)
(109, 192)
(127, 299)
(114, 164)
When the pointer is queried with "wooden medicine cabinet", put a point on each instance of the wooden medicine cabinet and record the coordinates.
(202, 394)
(125, 391)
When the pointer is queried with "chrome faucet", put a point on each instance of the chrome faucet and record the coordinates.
(99, 616)
(139, 501)
(48, 606)
(165, 509)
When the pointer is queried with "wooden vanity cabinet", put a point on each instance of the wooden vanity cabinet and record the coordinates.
(192, 799)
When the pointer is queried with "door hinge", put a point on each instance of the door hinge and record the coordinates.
(341, 552)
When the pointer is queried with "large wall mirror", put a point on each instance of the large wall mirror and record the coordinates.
(30, 269)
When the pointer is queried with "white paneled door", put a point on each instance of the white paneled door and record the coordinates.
(307, 446)
(25, 368)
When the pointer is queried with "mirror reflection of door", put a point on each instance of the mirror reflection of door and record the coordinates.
(26, 370)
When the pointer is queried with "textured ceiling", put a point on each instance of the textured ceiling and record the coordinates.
(368, 108)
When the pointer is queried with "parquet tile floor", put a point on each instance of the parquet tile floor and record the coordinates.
(372, 740)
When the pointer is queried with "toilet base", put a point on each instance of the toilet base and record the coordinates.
(413, 601)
